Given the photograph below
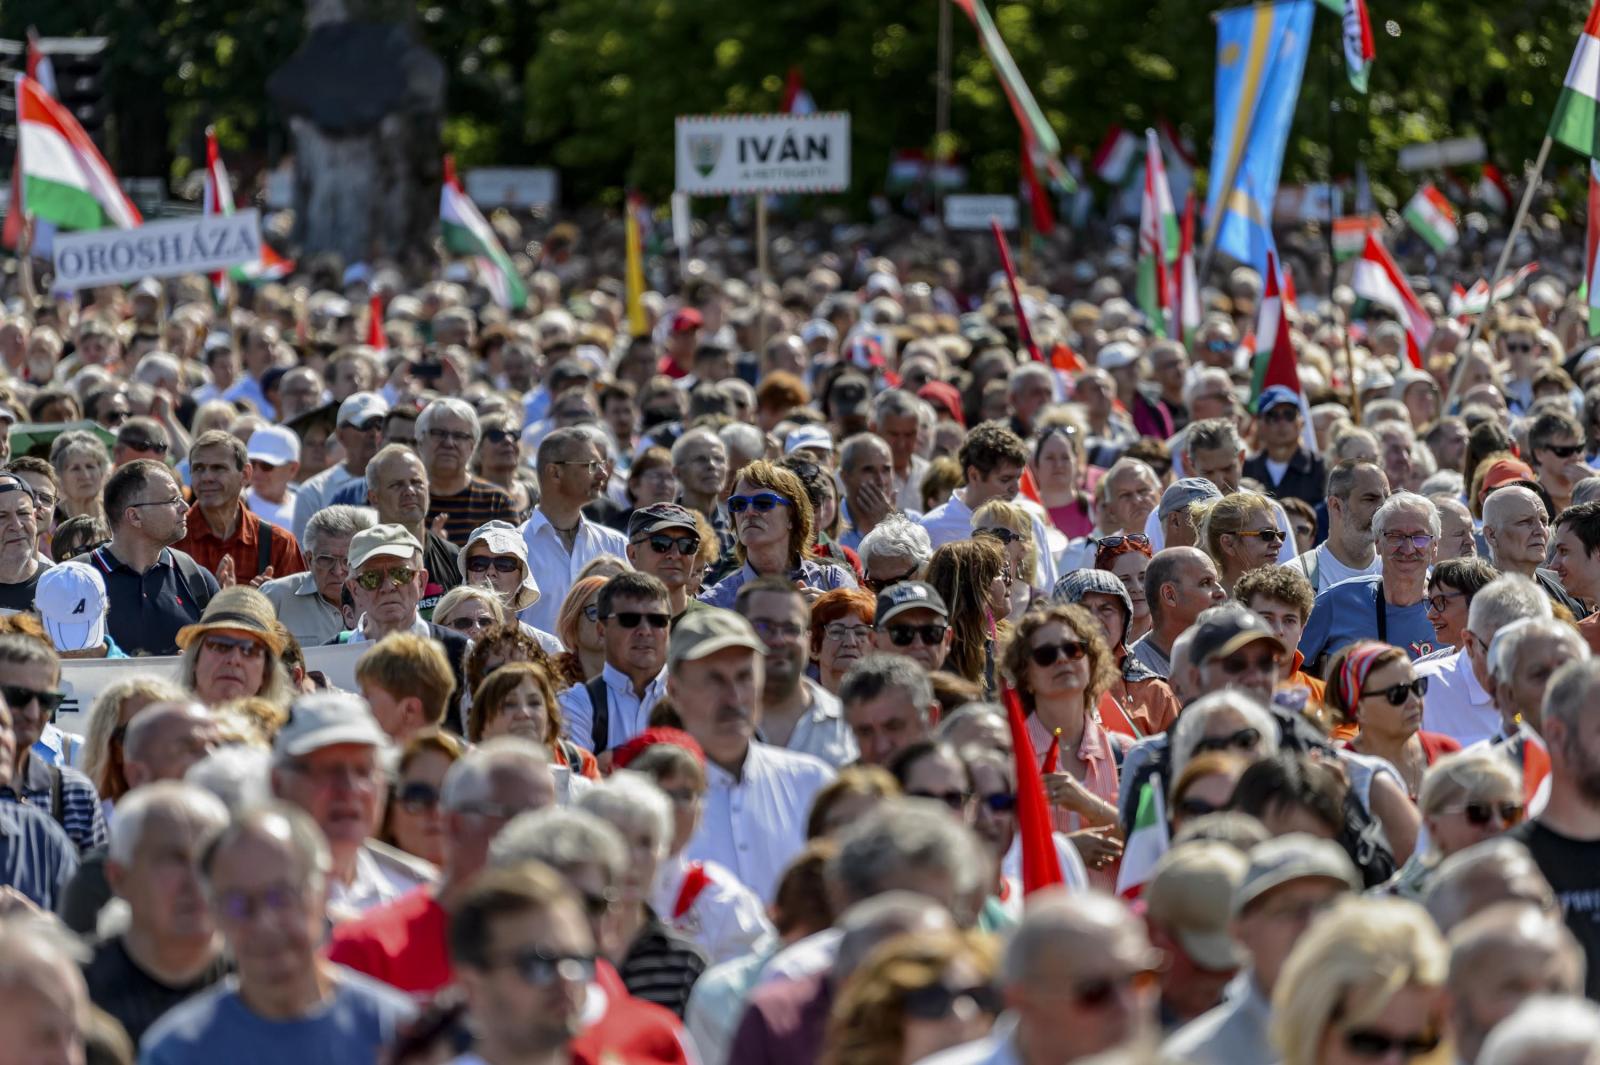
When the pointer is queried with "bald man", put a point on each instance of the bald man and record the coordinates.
(1516, 526)
(1501, 957)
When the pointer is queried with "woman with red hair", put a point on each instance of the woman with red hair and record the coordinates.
(841, 633)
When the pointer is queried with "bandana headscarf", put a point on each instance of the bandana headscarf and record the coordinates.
(1358, 663)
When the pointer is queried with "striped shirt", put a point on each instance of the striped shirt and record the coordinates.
(661, 966)
(81, 814)
(36, 857)
(479, 502)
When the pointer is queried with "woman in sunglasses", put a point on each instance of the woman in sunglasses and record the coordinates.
(913, 998)
(1012, 527)
(496, 557)
(234, 650)
(413, 821)
(841, 633)
(1239, 532)
(1365, 984)
(470, 610)
(1138, 703)
(519, 699)
(1466, 798)
(775, 535)
(499, 458)
(1374, 687)
(585, 652)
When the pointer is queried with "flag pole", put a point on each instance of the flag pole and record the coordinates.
(941, 111)
(1534, 177)
(1024, 332)
(25, 262)
(761, 272)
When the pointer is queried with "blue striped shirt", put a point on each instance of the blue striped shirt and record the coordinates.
(81, 814)
(823, 575)
(36, 857)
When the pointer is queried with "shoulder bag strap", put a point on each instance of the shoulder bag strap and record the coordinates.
(599, 702)
(1383, 614)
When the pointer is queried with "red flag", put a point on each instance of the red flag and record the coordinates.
(1029, 487)
(1023, 332)
(1052, 753)
(41, 70)
(1041, 867)
(375, 335)
(1044, 220)
(1062, 357)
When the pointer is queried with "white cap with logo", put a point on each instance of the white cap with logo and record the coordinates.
(71, 600)
(273, 445)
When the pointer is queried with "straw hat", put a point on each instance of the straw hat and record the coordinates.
(237, 609)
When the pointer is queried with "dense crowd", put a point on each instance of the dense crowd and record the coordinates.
(692, 665)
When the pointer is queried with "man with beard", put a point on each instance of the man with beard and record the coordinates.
(796, 712)
(1565, 838)
(1355, 492)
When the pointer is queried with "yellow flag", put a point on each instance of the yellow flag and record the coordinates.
(638, 322)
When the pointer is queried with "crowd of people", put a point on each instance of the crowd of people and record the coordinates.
(693, 665)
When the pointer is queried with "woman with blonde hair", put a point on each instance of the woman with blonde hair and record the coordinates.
(775, 534)
(234, 650)
(1466, 798)
(975, 581)
(1012, 526)
(913, 997)
(1365, 983)
(1239, 532)
(109, 715)
(470, 610)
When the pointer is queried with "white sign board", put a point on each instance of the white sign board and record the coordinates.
(722, 155)
(197, 245)
(1437, 154)
(974, 212)
(513, 186)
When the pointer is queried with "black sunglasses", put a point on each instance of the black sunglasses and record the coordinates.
(419, 798)
(878, 584)
(1196, 807)
(1047, 655)
(936, 1001)
(17, 697)
(902, 635)
(1564, 451)
(155, 447)
(83, 549)
(630, 619)
(1397, 694)
(956, 800)
(1005, 536)
(1243, 740)
(1370, 1044)
(501, 564)
(1479, 814)
(499, 436)
(661, 543)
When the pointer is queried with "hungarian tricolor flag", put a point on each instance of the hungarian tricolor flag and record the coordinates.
(1186, 287)
(467, 232)
(1158, 240)
(1591, 260)
(1146, 843)
(218, 199)
(1378, 278)
(1578, 110)
(1434, 219)
(1492, 190)
(65, 179)
(1041, 866)
(1275, 361)
(41, 70)
(1358, 47)
(638, 320)
(1044, 219)
(1475, 300)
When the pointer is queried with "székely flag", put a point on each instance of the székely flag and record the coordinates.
(1378, 278)
(1578, 110)
(1158, 240)
(1358, 49)
(65, 179)
(1434, 220)
(467, 232)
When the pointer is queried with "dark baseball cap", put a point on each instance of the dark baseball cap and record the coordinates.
(1224, 629)
(659, 516)
(909, 595)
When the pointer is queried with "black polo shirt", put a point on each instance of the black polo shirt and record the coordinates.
(147, 610)
(1306, 478)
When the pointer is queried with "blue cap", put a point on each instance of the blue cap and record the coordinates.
(1276, 396)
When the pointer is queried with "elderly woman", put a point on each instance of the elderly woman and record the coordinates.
(1451, 586)
(654, 962)
(1139, 703)
(974, 580)
(703, 901)
(1012, 527)
(81, 463)
(1126, 558)
(1239, 532)
(234, 650)
(113, 709)
(841, 633)
(519, 699)
(775, 531)
(1231, 722)
(897, 549)
(496, 557)
(414, 821)
(1365, 983)
(1374, 687)
(1204, 787)
(471, 610)
(1466, 798)
(1059, 466)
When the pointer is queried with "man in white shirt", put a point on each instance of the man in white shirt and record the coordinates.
(1458, 702)
(992, 459)
(615, 707)
(1125, 498)
(258, 352)
(1355, 492)
(359, 427)
(274, 454)
(796, 712)
(758, 796)
(573, 471)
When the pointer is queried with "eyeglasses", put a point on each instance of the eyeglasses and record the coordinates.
(1243, 740)
(956, 800)
(1281, 414)
(83, 549)
(1365, 1043)
(500, 563)
(1518, 348)
(450, 436)
(1480, 813)
(661, 543)
(1005, 536)
(1116, 541)
(419, 797)
(155, 447)
(937, 1001)
(878, 584)
(499, 436)
(239, 906)
(1072, 650)
(177, 502)
(931, 633)
(1564, 451)
(327, 777)
(1272, 536)
(630, 619)
(761, 503)
(1397, 694)
(841, 632)
(372, 580)
(221, 645)
(598, 904)
(113, 417)
(594, 466)
(371, 425)
(1001, 802)
(771, 630)
(1195, 808)
(541, 969)
(1096, 994)
(469, 624)
(1438, 603)
(17, 697)
(1416, 540)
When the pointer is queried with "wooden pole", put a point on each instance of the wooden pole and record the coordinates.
(25, 263)
(941, 112)
(761, 272)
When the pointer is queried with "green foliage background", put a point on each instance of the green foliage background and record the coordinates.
(592, 86)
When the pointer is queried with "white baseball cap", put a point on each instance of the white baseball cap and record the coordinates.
(360, 406)
(273, 445)
(813, 436)
(71, 600)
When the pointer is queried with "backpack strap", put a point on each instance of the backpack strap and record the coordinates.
(58, 804)
(193, 582)
(263, 547)
(600, 705)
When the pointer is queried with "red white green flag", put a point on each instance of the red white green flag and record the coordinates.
(65, 179)
(1433, 218)
(1158, 241)
(1186, 295)
(1146, 843)
(1591, 260)
(1378, 278)
(467, 232)
(1358, 48)
(218, 199)
(1276, 364)
(1576, 122)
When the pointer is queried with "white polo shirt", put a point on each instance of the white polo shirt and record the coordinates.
(1456, 704)
(555, 568)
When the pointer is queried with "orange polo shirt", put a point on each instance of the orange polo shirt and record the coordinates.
(209, 549)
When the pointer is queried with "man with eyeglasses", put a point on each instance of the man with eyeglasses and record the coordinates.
(1234, 647)
(614, 707)
(328, 761)
(663, 541)
(572, 472)
(308, 603)
(403, 942)
(796, 712)
(1284, 465)
(358, 426)
(1289, 881)
(1516, 526)
(1392, 606)
(224, 535)
(1458, 703)
(267, 878)
(153, 588)
(447, 435)
(912, 620)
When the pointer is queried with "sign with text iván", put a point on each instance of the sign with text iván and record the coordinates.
(720, 155)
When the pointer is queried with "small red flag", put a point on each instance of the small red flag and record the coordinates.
(1052, 753)
(375, 335)
(1041, 867)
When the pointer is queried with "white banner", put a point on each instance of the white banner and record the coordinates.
(721, 155)
(197, 245)
(974, 212)
(513, 186)
(1436, 155)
